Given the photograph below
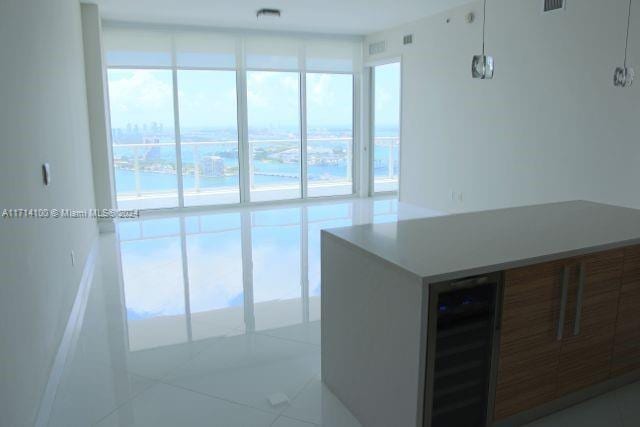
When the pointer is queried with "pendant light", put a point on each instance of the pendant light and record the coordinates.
(623, 76)
(482, 65)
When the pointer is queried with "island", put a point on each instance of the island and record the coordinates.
(485, 318)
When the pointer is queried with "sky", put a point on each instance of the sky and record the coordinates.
(208, 98)
(387, 95)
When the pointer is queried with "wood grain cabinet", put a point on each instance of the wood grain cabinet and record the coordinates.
(529, 349)
(592, 306)
(558, 329)
(626, 351)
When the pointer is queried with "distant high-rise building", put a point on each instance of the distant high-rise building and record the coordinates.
(212, 166)
(152, 153)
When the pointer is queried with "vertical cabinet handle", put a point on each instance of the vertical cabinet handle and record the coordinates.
(563, 301)
(581, 280)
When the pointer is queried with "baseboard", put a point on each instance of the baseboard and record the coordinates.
(69, 338)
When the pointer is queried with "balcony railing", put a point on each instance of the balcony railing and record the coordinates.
(391, 143)
(159, 157)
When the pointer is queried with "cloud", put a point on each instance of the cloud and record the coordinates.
(273, 98)
(207, 98)
(140, 96)
(318, 90)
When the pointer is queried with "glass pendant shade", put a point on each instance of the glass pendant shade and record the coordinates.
(623, 76)
(482, 67)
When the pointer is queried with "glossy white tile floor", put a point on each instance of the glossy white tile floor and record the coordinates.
(202, 319)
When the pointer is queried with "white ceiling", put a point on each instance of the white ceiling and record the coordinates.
(358, 17)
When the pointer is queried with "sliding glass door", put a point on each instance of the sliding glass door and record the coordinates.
(386, 127)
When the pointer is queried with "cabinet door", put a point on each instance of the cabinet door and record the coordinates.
(626, 350)
(586, 354)
(529, 348)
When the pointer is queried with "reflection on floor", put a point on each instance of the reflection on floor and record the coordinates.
(212, 319)
(187, 278)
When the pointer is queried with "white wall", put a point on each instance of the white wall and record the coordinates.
(550, 125)
(96, 80)
(43, 118)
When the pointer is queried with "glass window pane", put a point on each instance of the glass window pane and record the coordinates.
(142, 128)
(273, 108)
(209, 136)
(386, 153)
(329, 134)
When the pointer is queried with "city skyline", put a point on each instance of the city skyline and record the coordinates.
(143, 120)
(209, 99)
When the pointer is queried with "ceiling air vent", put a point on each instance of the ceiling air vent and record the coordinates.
(408, 39)
(551, 5)
(377, 47)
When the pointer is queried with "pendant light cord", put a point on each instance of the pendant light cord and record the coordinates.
(484, 21)
(626, 44)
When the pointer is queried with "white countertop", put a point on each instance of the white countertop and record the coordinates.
(455, 246)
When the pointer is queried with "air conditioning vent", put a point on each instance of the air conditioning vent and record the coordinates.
(408, 39)
(551, 5)
(377, 47)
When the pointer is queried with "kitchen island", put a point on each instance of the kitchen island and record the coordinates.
(561, 300)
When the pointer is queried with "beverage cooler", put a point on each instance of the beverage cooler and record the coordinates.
(462, 344)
